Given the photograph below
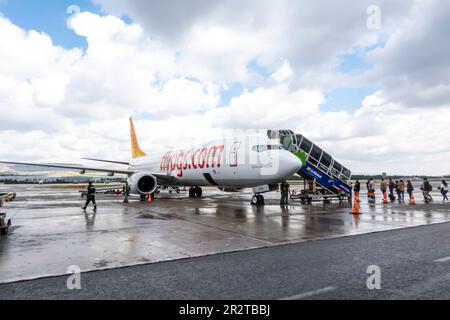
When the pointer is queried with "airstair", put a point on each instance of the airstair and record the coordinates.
(319, 166)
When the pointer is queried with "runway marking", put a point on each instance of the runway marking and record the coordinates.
(310, 294)
(445, 259)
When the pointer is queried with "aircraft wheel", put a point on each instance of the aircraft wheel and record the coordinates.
(198, 192)
(191, 192)
(261, 201)
(257, 200)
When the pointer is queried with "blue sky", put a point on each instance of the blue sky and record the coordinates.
(47, 16)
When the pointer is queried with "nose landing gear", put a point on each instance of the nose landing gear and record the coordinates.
(258, 200)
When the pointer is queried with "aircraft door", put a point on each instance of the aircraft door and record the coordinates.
(234, 156)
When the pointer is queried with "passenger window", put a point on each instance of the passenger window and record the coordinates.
(261, 148)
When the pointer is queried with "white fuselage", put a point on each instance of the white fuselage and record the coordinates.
(239, 162)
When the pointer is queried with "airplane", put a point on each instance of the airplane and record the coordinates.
(231, 164)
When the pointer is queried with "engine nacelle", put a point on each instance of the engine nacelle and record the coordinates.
(143, 183)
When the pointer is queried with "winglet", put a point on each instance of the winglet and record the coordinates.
(136, 152)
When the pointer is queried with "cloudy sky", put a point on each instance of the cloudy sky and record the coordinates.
(366, 80)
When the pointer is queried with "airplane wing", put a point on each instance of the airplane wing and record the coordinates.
(107, 161)
(163, 178)
(75, 168)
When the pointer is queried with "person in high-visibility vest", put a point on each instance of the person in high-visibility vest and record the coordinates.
(126, 191)
(284, 188)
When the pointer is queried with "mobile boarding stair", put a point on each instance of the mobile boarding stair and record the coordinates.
(318, 166)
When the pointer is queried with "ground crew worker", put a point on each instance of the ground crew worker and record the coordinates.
(126, 191)
(90, 194)
(284, 188)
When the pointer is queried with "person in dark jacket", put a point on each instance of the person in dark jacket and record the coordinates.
(427, 188)
(391, 189)
(90, 195)
(409, 189)
(357, 188)
(444, 190)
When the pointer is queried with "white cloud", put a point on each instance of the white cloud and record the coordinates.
(283, 73)
(61, 105)
(414, 65)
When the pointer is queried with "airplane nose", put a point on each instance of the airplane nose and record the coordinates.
(290, 164)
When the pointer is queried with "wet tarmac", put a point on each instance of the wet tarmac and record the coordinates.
(50, 232)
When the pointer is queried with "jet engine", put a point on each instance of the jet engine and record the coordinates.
(142, 183)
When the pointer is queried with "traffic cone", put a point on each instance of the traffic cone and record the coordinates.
(412, 200)
(150, 200)
(357, 197)
(355, 210)
(385, 199)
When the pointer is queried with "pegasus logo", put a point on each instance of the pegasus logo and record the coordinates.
(189, 160)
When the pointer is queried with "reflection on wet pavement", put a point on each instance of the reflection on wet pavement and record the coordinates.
(51, 232)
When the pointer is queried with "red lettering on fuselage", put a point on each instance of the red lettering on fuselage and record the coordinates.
(186, 160)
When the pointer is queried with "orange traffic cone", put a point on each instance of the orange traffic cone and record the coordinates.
(150, 200)
(385, 199)
(357, 197)
(355, 210)
(412, 200)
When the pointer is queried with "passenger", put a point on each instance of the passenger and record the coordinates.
(426, 189)
(391, 189)
(284, 188)
(357, 188)
(397, 189)
(409, 189)
(371, 190)
(90, 194)
(401, 189)
(383, 186)
(444, 190)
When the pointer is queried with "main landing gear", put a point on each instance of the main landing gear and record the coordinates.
(258, 200)
(195, 192)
